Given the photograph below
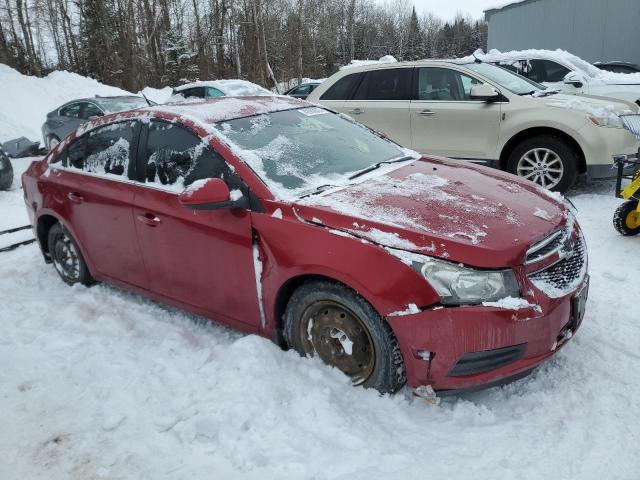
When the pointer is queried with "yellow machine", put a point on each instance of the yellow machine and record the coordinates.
(626, 220)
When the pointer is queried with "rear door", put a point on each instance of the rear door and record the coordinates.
(97, 194)
(199, 257)
(381, 102)
(446, 121)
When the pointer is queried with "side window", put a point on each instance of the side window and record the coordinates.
(387, 84)
(213, 92)
(554, 71)
(192, 92)
(75, 153)
(443, 84)
(72, 110)
(302, 90)
(91, 110)
(341, 90)
(177, 157)
(108, 149)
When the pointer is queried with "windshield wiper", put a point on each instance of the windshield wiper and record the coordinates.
(378, 165)
(319, 189)
(527, 93)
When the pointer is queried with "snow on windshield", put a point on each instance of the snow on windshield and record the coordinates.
(298, 151)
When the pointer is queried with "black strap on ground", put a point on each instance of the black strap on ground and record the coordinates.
(16, 245)
(19, 244)
(13, 230)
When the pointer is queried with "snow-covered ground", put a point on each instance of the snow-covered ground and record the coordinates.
(98, 383)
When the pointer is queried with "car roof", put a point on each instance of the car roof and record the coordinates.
(207, 112)
(99, 99)
(229, 87)
(415, 63)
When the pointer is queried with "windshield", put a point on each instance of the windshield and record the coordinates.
(296, 152)
(511, 81)
(122, 104)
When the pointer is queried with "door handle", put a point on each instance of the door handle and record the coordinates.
(149, 219)
(426, 113)
(75, 197)
(356, 111)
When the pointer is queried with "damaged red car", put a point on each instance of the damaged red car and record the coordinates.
(289, 221)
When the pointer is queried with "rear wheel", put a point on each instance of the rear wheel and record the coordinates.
(66, 257)
(331, 321)
(626, 220)
(546, 160)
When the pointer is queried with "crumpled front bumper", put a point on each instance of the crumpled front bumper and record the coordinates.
(435, 341)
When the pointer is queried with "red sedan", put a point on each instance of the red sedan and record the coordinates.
(286, 220)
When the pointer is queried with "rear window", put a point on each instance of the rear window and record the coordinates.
(342, 89)
(387, 84)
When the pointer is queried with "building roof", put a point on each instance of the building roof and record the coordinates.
(506, 5)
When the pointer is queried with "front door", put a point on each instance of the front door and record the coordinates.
(446, 121)
(94, 187)
(202, 258)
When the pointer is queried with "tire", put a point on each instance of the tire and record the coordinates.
(534, 154)
(331, 320)
(625, 217)
(52, 142)
(66, 257)
(6, 172)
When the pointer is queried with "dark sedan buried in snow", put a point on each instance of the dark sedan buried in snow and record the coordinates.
(286, 220)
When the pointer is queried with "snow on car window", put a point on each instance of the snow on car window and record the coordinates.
(294, 152)
(114, 159)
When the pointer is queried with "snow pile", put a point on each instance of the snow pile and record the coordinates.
(606, 112)
(362, 63)
(510, 303)
(157, 95)
(25, 100)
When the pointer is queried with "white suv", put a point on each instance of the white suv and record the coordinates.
(567, 72)
(477, 111)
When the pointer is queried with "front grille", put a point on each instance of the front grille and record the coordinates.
(565, 275)
(479, 362)
(547, 247)
(631, 123)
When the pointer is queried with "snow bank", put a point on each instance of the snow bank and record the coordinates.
(25, 100)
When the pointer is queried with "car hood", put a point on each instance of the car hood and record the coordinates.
(438, 207)
(590, 104)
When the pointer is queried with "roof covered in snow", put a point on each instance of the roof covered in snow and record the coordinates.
(230, 87)
(508, 4)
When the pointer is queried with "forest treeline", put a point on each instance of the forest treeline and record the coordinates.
(135, 43)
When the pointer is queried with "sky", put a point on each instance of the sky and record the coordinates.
(447, 9)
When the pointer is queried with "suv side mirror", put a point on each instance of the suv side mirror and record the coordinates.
(484, 92)
(575, 79)
(210, 194)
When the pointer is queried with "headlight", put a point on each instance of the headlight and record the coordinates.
(611, 121)
(458, 285)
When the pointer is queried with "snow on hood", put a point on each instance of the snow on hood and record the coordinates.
(488, 217)
(600, 108)
(361, 63)
(592, 73)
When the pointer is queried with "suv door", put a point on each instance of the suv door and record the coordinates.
(203, 258)
(96, 193)
(446, 121)
(381, 102)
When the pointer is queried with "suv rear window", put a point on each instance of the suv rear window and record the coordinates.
(341, 90)
(387, 84)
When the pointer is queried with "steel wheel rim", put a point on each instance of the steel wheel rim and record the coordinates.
(633, 220)
(66, 258)
(329, 329)
(542, 166)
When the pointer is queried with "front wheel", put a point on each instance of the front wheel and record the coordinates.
(331, 321)
(546, 160)
(626, 220)
(66, 257)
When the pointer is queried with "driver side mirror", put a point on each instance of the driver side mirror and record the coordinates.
(484, 92)
(574, 78)
(211, 194)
